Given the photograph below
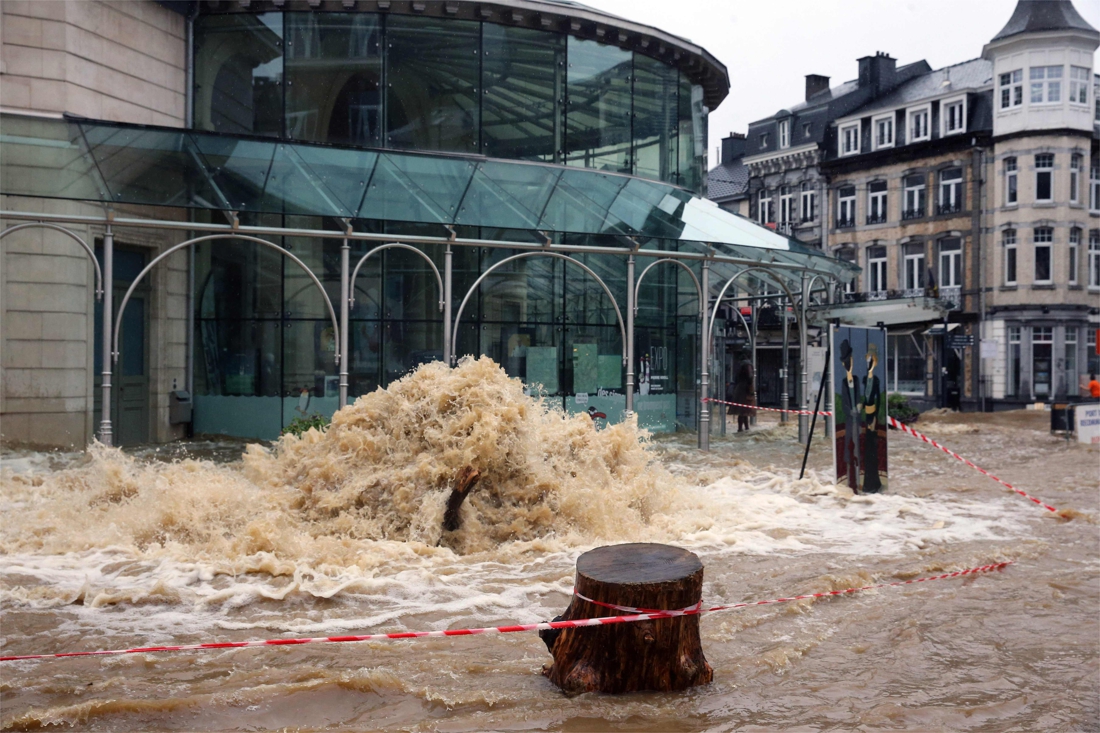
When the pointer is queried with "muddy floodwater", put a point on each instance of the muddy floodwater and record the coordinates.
(341, 534)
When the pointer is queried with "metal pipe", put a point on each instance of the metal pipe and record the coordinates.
(105, 435)
(448, 273)
(802, 360)
(704, 357)
(631, 307)
(784, 394)
(72, 235)
(345, 256)
(189, 361)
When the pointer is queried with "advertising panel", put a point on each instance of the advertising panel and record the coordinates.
(859, 406)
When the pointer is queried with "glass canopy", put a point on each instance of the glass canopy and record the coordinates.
(133, 164)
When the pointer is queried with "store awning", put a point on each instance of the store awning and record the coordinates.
(87, 160)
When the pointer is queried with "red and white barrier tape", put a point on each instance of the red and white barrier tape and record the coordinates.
(766, 409)
(916, 434)
(578, 623)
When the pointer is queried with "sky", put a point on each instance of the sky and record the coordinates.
(769, 47)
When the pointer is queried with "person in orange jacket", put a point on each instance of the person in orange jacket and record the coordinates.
(1094, 387)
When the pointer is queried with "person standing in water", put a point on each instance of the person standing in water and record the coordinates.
(872, 482)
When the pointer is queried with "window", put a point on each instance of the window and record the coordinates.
(1011, 193)
(809, 202)
(876, 202)
(1074, 248)
(847, 253)
(1078, 85)
(953, 115)
(1012, 387)
(1046, 84)
(950, 191)
(849, 139)
(846, 207)
(884, 132)
(765, 212)
(914, 197)
(1009, 239)
(918, 124)
(1069, 376)
(1012, 89)
(1042, 347)
(786, 205)
(913, 270)
(1094, 258)
(951, 262)
(876, 269)
(807, 127)
(1042, 239)
(764, 140)
(1094, 185)
(784, 133)
(1074, 178)
(1044, 177)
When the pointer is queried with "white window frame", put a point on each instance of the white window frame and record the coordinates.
(950, 265)
(1044, 86)
(915, 191)
(1012, 254)
(1074, 250)
(1049, 171)
(877, 200)
(1048, 245)
(809, 202)
(1094, 259)
(926, 112)
(764, 202)
(1075, 178)
(1079, 84)
(846, 203)
(876, 272)
(945, 106)
(1012, 181)
(913, 271)
(1094, 185)
(950, 190)
(1011, 82)
(786, 205)
(842, 139)
(889, 119)
(784, 134)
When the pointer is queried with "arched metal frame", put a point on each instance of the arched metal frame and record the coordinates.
(513, 258)
(394, 245)
(72, 235)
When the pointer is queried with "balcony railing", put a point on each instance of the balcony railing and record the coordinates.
(784, 227)
(876, 218)
(912, 214)
(949, 208)
(842, 223)
(952, 296)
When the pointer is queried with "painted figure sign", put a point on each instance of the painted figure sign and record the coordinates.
(859, 404)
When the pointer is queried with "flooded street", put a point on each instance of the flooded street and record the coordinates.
(340, 534)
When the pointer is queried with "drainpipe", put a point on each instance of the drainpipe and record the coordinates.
(105, 435)
(630, 295)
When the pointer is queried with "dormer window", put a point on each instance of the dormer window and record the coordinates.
(918, 124)
(784, 133)
(807, 127)
(953, 114)
(763, 140)
(1046, 84)
(849, 139)
(884, 131)
(1012, 89)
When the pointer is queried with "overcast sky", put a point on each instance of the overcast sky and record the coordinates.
(770, 45)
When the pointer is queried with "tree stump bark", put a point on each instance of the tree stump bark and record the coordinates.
(658, 654)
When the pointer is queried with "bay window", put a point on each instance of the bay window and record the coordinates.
(1042, 239)
(1074, 249)
(1011, 191)
(1044, 177)
(1009, 240)
(1046, 84)
(1074, 178)
(1012, 89)
(1079, 85)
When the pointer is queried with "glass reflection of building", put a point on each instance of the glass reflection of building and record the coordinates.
(437, 86)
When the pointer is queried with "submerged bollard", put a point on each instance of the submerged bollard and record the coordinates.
(657, 654)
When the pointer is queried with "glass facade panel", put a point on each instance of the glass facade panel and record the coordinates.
(433, 72)
(598, 114)
(523, 82)
(693, 135)
(656, 119)
(334, 78)
(239, 73)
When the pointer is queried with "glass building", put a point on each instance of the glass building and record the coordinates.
(443, 139)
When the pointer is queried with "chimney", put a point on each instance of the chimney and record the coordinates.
(815, 84)
(733, 147)
(877, 71)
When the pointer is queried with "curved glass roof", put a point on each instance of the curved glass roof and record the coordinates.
(133, 164)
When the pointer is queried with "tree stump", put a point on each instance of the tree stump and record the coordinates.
(658, 654)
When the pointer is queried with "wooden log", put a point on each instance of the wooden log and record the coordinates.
(467, 479)
(659, 654)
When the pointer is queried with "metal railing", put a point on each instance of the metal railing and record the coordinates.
(912, 214)
(876, 218)
(951, 207)
(845, 223)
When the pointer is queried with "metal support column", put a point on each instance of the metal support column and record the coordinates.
(345, 294)
(784, 390)
(803, 396)
(704, 359)
(105, 433)
(630, 335)
(448, 263)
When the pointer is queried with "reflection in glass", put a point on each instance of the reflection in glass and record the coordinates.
(432, 84)
(656, 109)
(523, 81)
(239, 73)
(693, 135)
(598, 133)
(238, 357)
(334, 78)
(309, 348)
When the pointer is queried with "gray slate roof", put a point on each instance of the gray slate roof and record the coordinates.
(967, 76)
(727, 180)
(1032, 16)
